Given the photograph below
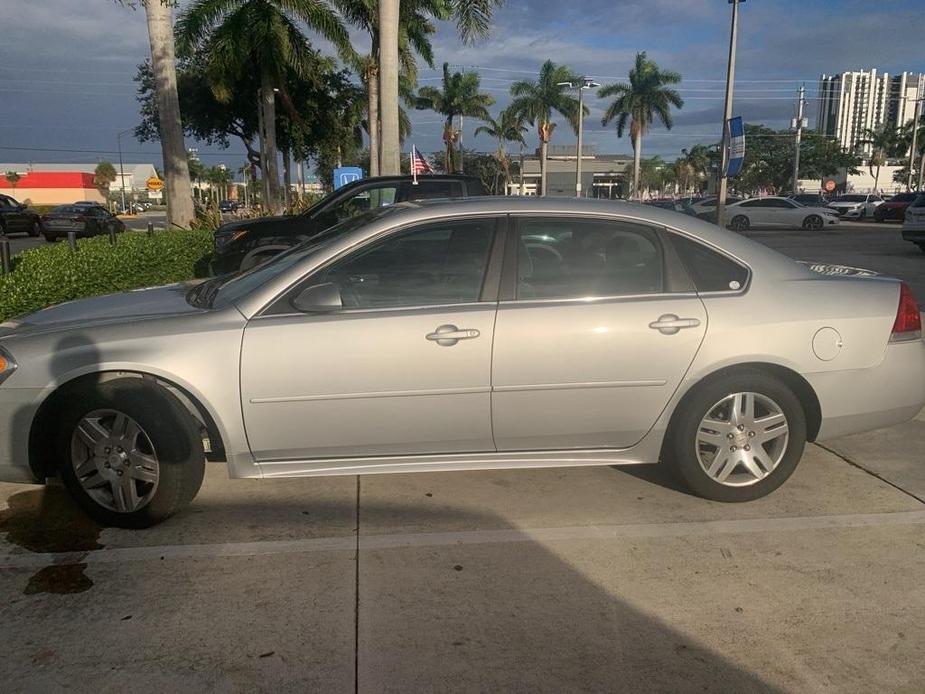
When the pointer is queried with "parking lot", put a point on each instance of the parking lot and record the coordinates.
(583, 579)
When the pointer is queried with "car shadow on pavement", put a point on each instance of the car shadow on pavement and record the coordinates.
(507, 616)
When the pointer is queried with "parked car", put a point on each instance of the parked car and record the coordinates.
(16, 218)
(84, 220)
(434, 336)
(777, 212)
(856, 206)
(914, 222)
(895, 207)
(228, 206)
(664, 203)
(810, 199)
(241, 245)
(705, 208)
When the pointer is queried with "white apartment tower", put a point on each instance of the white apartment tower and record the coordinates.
(851, 102)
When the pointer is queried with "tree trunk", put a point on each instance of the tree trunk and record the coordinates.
(389, 145)
(180, 212)
(372, 115)
(287, 179)
(261, 141)
(522, 189)
(637, 151)
(921, 171)
(271, 166)
(543, 148)
(877, 178)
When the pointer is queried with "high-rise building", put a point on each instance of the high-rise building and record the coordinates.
(852, 102)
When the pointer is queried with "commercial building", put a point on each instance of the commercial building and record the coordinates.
(58, 184)
(852, 102)
(602, 175)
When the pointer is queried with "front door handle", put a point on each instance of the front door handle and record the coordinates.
(669, 324)
(449, 335)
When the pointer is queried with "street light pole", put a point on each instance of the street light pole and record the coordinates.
(915, 132)
(581, 85)
(121, 168)
(727, 112)
(796, 142)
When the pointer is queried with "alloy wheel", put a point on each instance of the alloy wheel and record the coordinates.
(114, 460)
(742, 439)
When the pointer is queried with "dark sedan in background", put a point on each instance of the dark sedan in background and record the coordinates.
(17, 218)
(84, 220)
(894, 209)
(242, 245)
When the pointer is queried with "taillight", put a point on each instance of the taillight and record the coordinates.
(908, 323)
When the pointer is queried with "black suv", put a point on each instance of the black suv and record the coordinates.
(241, 245)
(15, 217)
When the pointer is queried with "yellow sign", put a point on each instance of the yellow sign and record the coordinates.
(154, 183)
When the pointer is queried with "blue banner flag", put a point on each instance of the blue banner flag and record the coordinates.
(736, 152)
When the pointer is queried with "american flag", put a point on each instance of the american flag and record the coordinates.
(419, 164)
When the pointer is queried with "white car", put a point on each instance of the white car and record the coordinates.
(777, 212)
(856, 206)
(914, 222)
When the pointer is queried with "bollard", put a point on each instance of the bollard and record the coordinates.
(5, 255)
(150, 228)
(112, 235)
(72, 240)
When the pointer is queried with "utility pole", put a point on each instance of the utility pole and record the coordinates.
(798, 123)
(580, 85)
(915, 132)
(727, 112)
(121, 168)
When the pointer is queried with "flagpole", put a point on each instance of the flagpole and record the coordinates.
(414, 167)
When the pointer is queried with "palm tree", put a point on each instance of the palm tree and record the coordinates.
(906, 135)
(885, 143)
(473, 19)
(415, 29)
(104, 175)
(697, 162)
(507, 128)
(460, 96)
(639, 101)
(264, 37)
(536, 101)
(179, 193)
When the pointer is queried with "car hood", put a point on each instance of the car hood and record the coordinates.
(896, 205)
(139, 304)
(845, 204)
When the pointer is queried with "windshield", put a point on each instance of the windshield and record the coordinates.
(219, 292)
(852, 198)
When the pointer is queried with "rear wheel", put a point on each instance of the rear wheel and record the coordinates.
(129, 452)
(737, 438)
(739, 223)
(813, 222)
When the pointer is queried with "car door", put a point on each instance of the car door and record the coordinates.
(14, 218)
(402, 368)
(596, 328)
(784, 213)
(756, 210)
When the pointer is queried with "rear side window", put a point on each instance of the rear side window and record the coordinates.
(710, 271)
(919, 201)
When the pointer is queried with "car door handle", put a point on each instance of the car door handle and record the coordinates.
(669, 324)
(449, 335)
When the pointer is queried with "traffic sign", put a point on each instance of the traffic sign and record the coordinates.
(154, 183)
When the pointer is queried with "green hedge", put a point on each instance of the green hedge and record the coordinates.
(51, 274)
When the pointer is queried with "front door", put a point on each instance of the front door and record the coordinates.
(595, 340)
(404, 368)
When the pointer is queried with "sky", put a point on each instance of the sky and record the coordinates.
(66, 67)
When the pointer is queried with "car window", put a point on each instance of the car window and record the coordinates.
(5, 202)
(710, 271)
(561, 258)
(364, 200)
(442, 263)
(755, 203)
(851, 198)
(783, 204)
(919, 201)
(428, 190)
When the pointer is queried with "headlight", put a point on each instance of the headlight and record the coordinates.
(7, 365)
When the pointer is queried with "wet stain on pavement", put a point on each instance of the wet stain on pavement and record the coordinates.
(47, 520)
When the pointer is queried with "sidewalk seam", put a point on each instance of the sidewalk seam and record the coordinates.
(855, 464)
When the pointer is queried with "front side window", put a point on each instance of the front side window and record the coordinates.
(562, 258)
(364, 200)
(442, 263)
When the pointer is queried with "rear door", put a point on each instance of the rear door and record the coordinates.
(596, 329)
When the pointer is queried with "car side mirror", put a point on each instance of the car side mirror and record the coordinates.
(319, 298)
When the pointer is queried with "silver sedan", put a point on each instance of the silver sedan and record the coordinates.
(478, 334)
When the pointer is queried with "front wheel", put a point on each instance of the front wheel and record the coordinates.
(739, 223)
(35, 229)
(737, 438)
(813, 222)
(129, 452)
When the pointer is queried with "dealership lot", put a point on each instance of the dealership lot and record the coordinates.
(589, 579)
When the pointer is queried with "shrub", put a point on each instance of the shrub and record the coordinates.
(51, 274)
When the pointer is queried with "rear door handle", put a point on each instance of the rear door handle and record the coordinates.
(669, 324)
(449, 335)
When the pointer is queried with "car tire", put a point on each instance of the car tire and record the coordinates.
(699, 433)
(863, 215)
(36, 229)
(739, 223)
(813, 223)
(132, 472)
